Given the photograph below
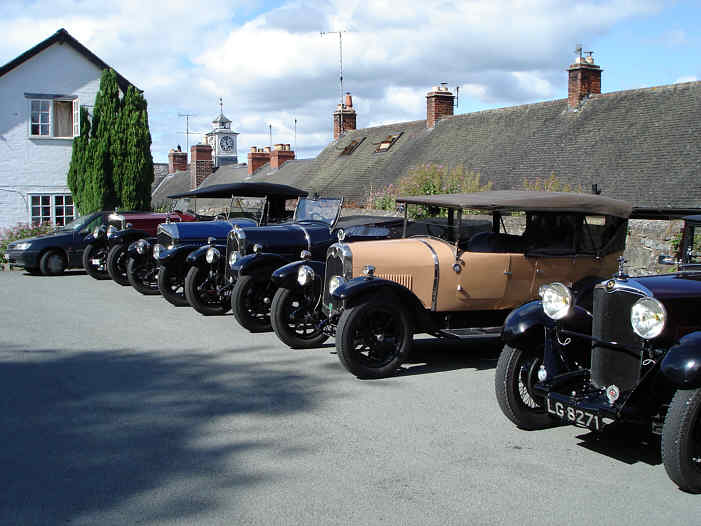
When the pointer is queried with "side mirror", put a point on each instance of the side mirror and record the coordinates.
(666, 260)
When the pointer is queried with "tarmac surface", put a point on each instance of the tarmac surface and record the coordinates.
(121, 409)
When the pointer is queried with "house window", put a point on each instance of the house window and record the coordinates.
(352, 146)
(54, 117)
(387, 143)
(56, 209)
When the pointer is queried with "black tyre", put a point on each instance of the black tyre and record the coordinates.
(681, 440)
(52, 263)
(201, 291)
(373, 338)
(171, 286)
(143, 276)
(91, 253)
(250, 301)
(117, 265)
(517, 372)
(294, 320)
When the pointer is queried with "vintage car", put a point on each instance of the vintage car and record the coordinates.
(625, 350)
(253, 254)
(105, 250)
(454, 283)
(182, 249)
(51, 254)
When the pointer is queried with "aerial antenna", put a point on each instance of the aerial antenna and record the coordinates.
(457, 95)
(340, 69)
(270, 131)
(578, 50)
(295, 141)
(187, 131)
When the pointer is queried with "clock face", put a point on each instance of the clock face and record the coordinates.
(226, 143)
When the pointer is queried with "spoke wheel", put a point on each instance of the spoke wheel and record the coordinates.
(143, 276)
(681, 440)
(250, 301)
(373, 338)
(201, 291)
(117, 265)
(97, 271)
(171, 285)
(515, 377)
(294, 319)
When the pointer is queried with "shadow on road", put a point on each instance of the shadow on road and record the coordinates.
(92, 431)
(625, 443)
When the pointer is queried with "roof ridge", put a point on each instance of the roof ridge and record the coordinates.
(674, 85)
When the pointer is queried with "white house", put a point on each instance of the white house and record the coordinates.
(41, 92)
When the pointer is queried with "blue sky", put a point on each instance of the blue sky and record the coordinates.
(271, 66)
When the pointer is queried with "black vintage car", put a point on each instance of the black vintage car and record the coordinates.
(626, 350)
(51, 254)
(182, 249)
(253, 254)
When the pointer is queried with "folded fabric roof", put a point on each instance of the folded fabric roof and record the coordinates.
(244, 190)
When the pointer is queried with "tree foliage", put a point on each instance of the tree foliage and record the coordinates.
(111, 164)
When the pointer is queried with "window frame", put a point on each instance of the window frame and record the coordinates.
(53, 206)
(51, 100)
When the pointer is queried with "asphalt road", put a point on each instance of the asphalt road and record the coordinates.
(120, 409)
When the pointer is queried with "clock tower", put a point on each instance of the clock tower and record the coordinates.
(222, 140)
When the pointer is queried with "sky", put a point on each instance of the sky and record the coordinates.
(271, 66)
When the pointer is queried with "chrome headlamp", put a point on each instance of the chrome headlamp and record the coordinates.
(96, 232)
(212, 255)
(22, 246)
(557, 300)
(141, 245)
(334, 283)
(234, 256)
(305, 275)
(648, 317)
(156, 250)
(111, 230)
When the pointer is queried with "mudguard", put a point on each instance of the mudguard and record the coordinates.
(131, 250)
(127, 236)
(168, 256)
(682, 363)
(357, 289)
(197, 257)
(523, 327)
(100, 241)
(286, 276)
(255, 263)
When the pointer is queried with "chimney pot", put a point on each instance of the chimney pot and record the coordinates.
(584, 80)
(349, 100)
(253, 149)
(266, 149)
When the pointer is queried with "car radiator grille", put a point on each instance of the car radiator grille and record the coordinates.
(231, 245)
(334, 267)
(611, 323)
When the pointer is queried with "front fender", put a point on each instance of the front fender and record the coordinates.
(169, 256)
(523, 327)
(90, 239)
(682, 363)
(255, 263)
(286, 276)
(358, 289)
(198, 257)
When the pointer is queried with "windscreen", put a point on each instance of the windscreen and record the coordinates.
(251, 207)
(325, 210)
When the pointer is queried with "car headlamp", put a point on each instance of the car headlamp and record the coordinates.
(305, 275)
(22, 246)
(96, 232)
(233, 257)
(212, 255)
(141, 246)
(156, 251)
(648, 317)
(557, 300)
(334, 283)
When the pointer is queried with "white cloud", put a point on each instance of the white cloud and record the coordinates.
(272, 65)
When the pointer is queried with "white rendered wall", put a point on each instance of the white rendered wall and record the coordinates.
(34, 165)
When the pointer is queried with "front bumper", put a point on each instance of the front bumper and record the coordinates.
(23, 258)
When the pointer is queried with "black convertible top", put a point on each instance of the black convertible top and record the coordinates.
(244, 190)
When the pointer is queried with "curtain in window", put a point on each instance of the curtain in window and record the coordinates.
(63, 119)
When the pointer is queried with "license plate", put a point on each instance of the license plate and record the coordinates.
(96, 262)
(574, 415)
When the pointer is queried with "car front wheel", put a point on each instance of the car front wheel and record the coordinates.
(202, 293)
(681, 440)
(516, 374)
(293, 319)
(373, 338)
(170, 283)
(143, 276)
(250, 301)
(116, 265)
(95, 261)
(52, 263)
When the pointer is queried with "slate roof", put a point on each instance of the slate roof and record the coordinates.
(176, 183)
(638, 145)
(63, 37)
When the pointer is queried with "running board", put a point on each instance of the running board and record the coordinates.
(471, 333)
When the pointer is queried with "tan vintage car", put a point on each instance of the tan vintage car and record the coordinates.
(453, 282)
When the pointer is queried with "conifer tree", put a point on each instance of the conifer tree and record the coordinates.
(136, 171)
(78, 182)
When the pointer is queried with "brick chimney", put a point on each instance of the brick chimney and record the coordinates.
(439, 104)
(177, 161)
(257, 157)
(584, 79)
(344, 117)
(200, 165)
(280, 155)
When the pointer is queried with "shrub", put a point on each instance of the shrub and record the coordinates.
(20, 231)
(551, 184)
